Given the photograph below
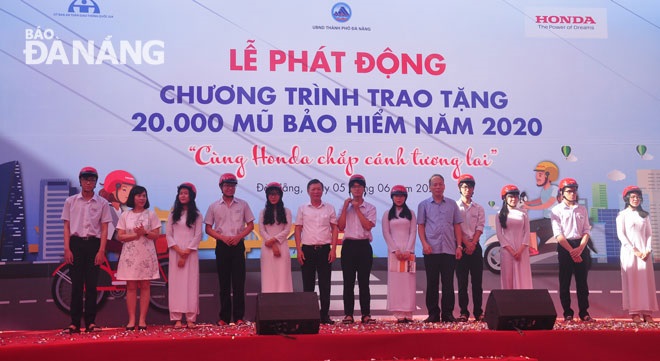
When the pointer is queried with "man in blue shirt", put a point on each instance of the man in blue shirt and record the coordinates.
(439, 226)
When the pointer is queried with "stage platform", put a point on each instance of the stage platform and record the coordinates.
(605, 339)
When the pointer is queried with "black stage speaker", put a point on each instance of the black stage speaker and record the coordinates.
(520, 310)
(287, 313)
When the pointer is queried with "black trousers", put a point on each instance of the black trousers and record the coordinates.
(84, 278)
(230, 264)
(470, 266)
(316, 262)
(357, 258)
(568, 268)
(440, 268)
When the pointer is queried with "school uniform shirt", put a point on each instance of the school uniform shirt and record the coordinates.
(85, 216)
(354, 229)
(229, 219)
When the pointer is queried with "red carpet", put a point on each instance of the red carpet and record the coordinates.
(603, 340)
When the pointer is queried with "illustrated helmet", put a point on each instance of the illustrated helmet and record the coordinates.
(550, 169)
(115, 178)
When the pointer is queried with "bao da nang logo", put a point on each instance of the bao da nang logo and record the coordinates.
(341, 12)
(84, 7)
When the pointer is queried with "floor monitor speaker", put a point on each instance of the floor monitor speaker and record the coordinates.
(520, 310)
(287, 313)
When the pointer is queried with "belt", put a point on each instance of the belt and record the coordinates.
(88, 238)
(357, 239)
(316, 247)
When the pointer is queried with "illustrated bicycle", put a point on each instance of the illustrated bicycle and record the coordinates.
(109, 285)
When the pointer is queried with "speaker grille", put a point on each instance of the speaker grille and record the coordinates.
(287, 313)
(520, 310)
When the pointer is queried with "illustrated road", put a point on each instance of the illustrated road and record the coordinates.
(26, 303)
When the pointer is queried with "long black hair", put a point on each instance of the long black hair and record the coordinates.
(405, 212)
(642, 213)
(273, 210)
(192, 214)
(504, 213)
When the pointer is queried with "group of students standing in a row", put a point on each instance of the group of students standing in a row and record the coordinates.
(449, 232)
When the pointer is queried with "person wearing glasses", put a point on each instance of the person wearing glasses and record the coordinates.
(356, 219)
(570, 225)
(471, 266)
(229, 220)
(86, 218)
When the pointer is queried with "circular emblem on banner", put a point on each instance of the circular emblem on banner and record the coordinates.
(341, 12)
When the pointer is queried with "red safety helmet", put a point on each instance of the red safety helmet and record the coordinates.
(399, 190)
(276, 186)
(88, 172)
(115, 178)
(188, 185)
(228, 178)
(568, 183)
(466, 178)
(631, 189)
(357, 178)
(509, 189)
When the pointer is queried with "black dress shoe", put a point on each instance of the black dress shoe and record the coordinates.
(93, 328)
(72, 329)
(432, 319)
(327, 321)
(463, 318)
(449, 319)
